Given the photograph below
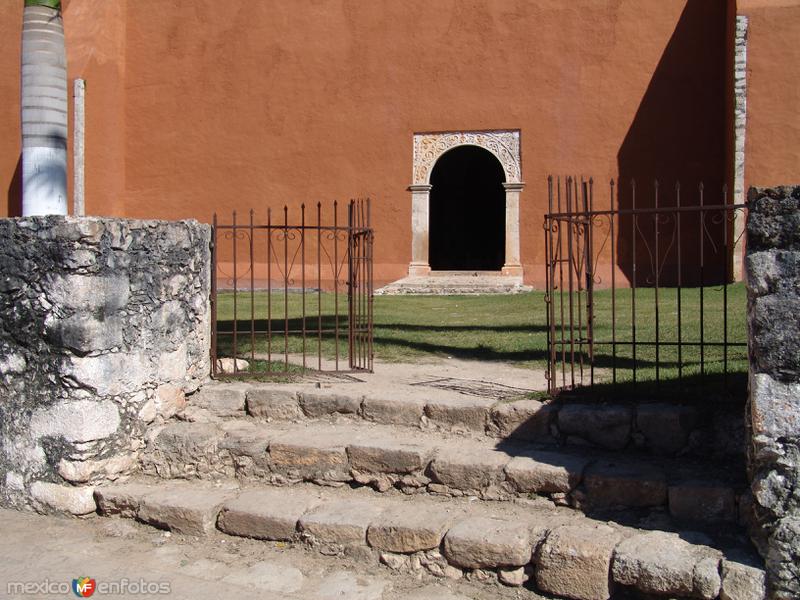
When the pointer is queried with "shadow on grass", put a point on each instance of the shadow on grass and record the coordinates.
(438, 342)
(329, 322)
(710, 389)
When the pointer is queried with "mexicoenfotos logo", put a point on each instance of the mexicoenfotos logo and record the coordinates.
(84, 586)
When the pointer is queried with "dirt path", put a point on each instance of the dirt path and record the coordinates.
(40, 550)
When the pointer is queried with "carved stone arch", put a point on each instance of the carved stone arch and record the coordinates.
(428, 148)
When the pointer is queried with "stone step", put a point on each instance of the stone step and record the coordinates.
(550, 549)
(387, 457)
(488, 408)
(455, 283)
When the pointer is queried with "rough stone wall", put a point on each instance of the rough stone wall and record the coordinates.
(773, 282)
(105, 326)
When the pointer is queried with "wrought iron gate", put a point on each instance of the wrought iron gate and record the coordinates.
(643, 292)
(292, 297)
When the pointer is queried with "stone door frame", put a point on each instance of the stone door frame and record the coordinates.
(428, 148)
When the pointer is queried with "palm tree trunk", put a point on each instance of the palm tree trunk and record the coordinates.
(44, 110)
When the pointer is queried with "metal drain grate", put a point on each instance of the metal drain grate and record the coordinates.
(471, 387)
(330, 377)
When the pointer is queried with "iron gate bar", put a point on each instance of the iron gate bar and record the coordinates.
(358, 237)
(680, 315)
(578, 250)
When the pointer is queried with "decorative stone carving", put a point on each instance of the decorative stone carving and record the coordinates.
(428, 147)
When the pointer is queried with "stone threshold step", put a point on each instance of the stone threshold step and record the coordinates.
(664, 429)
(386, 458)
(557, 551)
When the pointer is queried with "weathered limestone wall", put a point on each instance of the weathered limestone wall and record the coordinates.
(105, 326)
(773, 281)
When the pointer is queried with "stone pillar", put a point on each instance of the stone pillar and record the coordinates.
(773, 412)
(78, 153)
(512, 265)
(420, 219)
(105, 326)
(740, 128)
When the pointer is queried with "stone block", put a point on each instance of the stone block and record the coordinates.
(76, 421)
(774, 271)
(121, 499)
(409, 528)
(606, 425)
(467, 467)
(316, 404)
(84, 471)
(170, 399)
(774, 218)
(90, 292)
(311, 456)
(232, 365)
(527, 420)
(513, 577)
(344, 522)
(273, 403)
(775, 334)
(186, 450)
(385, 455)
(702, 502)
(83, 333)
(222, 400)
(111, 374)
(742, 581)
(774, 406)
(64, 498)
(186, 509)
(460, 412)
(663, 563)
(544, 472)
(666, 427)
(574, 561)
(248, 441)
(393, 411)
(266, 514)
(487, 543)
(625, 484)
(188, 440)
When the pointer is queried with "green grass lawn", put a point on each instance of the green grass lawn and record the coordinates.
(510, 329)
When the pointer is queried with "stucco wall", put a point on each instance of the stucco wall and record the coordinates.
(105, 325)
(223, 105)
(772, 150)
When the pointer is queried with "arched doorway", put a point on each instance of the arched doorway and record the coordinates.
(467, 211)
(429, 148)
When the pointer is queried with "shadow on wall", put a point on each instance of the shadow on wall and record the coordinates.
(15, 192)
(678, 134)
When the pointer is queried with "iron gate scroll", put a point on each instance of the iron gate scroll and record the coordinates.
(293, 296)
(643, 292)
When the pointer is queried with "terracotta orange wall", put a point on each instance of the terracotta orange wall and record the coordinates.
(95, 38)
(10, 141)
(772, 143)
(240, 104)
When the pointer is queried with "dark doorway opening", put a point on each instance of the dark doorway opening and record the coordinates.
(467, 229)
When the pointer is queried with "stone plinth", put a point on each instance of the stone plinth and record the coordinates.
(105, 326)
